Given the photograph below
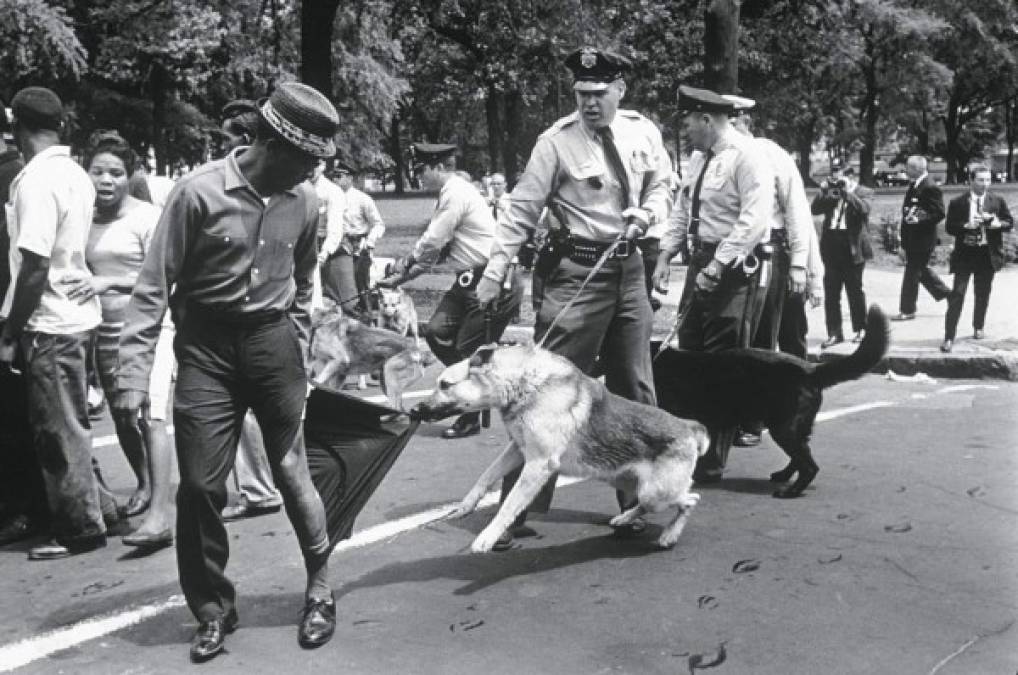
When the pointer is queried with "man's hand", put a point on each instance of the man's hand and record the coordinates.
(488, 291)
(637, 221)
(128, 401)
(82, 287)
(816, 298)
(797, 279)
(662, 272)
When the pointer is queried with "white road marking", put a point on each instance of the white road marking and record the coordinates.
(31, 649)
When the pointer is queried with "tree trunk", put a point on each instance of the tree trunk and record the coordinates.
(952, 131)
(804, 146)
(870, 116)
(513, 130)
(496, 131)
(316, 21)
(396, 152)
(157, 82)
(1010, 121)
(721, 46)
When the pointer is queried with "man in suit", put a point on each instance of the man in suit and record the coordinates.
(844, 249)
(978, 221)
(922, 210)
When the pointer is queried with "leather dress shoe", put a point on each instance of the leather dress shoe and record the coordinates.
(54, 550)
(210, 637)
(248, 510)
(978, 334)
(946, 346)
(318, 623)
(466, 425)
(149, 541)
(17, 528)
(903, 316)
(831, 341)
(746, 439)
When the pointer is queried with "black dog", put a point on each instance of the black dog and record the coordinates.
(747, 387)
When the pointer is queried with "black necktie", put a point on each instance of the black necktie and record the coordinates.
(694, 213)
(611, 153)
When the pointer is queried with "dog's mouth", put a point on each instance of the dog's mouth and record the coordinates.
(432, 413)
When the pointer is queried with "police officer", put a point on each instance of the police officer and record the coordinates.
(722, 214)
(458, 238)
(605, 173)
(791, 224)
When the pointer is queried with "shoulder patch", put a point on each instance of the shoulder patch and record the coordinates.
(562, 123)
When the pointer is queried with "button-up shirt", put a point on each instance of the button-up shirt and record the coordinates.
(331, 207)
(361, 217)
(227, 251)
(463, 220)
(568, 171)
(50, 212)
(736, 199)
(791, 205)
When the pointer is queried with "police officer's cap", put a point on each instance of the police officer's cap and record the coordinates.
(692, 99)
(432, 153)
(340, 166)
(238, 107)
(594, 69)
(740, 104)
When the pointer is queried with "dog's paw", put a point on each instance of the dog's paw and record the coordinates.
(485, 541)
(462, 510)
(667, 542)
(620, 520)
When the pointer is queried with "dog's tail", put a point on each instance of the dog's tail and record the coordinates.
(872, 348)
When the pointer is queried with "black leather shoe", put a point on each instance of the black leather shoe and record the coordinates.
(978, 334)
(831, 341)
(946, 346)
(318, 623)
(746, 439)
(466, 425)
(149, 541)
(246, 510)
(211, 637)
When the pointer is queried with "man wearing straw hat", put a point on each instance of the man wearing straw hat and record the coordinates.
(237, 238)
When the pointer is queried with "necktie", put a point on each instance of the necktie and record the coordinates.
(611, 153)
(694, 212)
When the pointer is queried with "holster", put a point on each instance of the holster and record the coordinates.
(555, 248)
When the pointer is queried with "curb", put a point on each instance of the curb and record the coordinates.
(981, 365)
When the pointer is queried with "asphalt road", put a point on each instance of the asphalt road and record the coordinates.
(899, 560)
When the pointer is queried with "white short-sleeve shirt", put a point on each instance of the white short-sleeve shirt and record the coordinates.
(49, 214)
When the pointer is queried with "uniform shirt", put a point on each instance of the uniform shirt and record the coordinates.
(500, 207)
(736, 199)
(791, 205)
(361, 217)
(228, 252)
(49, 214)
(568, 172)
(331, 207)
(463, 219)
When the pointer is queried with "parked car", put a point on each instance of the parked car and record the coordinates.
(888, 177)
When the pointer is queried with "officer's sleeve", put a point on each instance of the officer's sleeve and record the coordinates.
(374, 219)
(656, 195)
(754, 181)
(526, 204)
(796, 208)
(442, 227)
(674, 237)
(151, 295)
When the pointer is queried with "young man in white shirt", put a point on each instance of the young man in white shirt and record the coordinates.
(48, 217)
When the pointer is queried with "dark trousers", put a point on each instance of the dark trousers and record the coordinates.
(918, 271)
(722, 319)
(224, 369)
(345, 277)
(975, 264)
(611, 320)
(457, 327)
(840, 271)
(22, 491)
(768, 326)
(61, 432)
(794, 326)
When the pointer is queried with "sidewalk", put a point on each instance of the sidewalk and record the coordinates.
(915, 345)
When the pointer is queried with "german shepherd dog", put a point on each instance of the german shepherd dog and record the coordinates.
(561, 420)
(743, 387)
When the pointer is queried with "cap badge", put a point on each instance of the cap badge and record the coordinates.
(588, 57)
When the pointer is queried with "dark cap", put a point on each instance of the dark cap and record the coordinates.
(692, 99)
(343, 167)
(304, 117)
(594, 69)
(238, 106)
(432, 153)
(38, 108)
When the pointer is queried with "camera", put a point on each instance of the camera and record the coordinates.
(834, 189)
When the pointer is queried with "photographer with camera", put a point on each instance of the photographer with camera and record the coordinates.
(844, 249)
(978, 221)
(922, 209)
